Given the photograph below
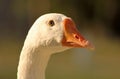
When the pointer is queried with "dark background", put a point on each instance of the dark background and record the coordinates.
(97, 20)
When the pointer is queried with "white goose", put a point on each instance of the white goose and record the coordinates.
(49, 34)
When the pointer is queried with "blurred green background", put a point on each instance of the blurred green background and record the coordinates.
(97, 20)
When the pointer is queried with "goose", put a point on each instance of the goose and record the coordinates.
(50, 33)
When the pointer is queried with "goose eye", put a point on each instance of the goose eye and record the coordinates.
(51, 23)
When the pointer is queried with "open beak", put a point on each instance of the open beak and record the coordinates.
(72, 37)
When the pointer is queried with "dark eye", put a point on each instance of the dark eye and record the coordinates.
(51, 23)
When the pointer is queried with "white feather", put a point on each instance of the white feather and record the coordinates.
(41, 41)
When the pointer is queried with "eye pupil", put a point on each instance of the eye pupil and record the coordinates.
(51, 23)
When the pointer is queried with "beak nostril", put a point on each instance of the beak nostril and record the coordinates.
(76, 36)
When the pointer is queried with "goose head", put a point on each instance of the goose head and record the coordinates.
(55, 32)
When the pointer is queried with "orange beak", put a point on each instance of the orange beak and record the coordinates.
(72, 38)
